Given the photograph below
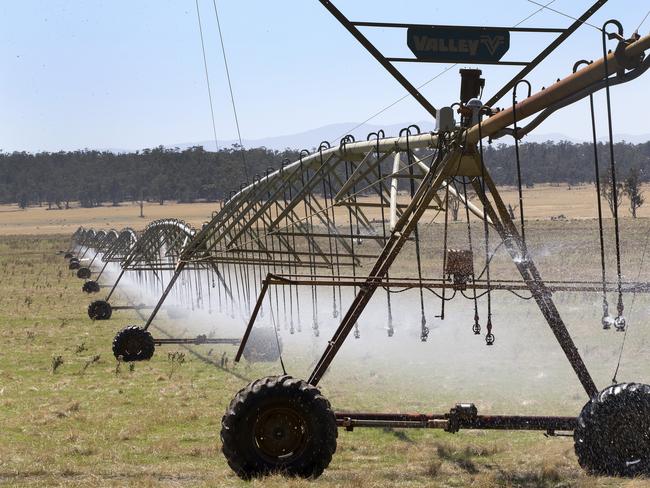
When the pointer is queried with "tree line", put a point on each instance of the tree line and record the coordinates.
(161, 174)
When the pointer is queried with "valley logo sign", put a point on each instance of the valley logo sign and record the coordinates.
(458, 44)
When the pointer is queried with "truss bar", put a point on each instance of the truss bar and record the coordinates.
(560, 90)
(248, 222)
(240, 214)
(300, 253)
(342, 236)
(452, 423)
(362, 169)
(393, 191)
(252, 261)
(302, 192)
(251, 322)
(482, 27)
(472, 208)
(548, 50)
(403, 228)
(379, 57)
(168, 289)
(344, 203)
(357, 212)
(413, 283)
(119, 277)
(541, 294)
(223, 281)
(131, 307)
(196, 341)
(416, 60)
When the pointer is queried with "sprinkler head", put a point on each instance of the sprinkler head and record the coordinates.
(424, 334)
(476, 328)
(607, 322)
(357, 334)
(391, 332)
(489, 339)
(335, 313)
(620, 323)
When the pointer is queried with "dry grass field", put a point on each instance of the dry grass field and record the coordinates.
(541, 202)
(73, 416)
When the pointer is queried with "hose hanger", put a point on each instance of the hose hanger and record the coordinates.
(406, 132)
(489, 336)
(380, 134)
(476, 326)
(619, 321)
(331, 219)
(606, 320)
(283, 290)
(348, 172)
(518, 162)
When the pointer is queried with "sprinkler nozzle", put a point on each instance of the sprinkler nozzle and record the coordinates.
(425, 334)
(620, 323)
(607, 322)
(476, 328)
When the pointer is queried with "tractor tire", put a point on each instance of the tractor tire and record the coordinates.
(279, 424)
(100, 310)
(262, 346)
(68, 255)
(133, 344)
(90, 287)
(83, 273)
(613, 433)
(74, 265)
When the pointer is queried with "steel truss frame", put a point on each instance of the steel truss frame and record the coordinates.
(156, 250)
(452, 156)
(281, 230)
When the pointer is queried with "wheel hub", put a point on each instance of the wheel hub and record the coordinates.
(281, 433)
(132, 346)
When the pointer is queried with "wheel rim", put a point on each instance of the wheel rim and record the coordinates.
(634, 428)
(281, 434)
(132, 346)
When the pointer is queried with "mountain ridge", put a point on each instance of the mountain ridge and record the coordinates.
(311, 138)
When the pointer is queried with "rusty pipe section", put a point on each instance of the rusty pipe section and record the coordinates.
(558, 91)
(527, 107)
(453, 423)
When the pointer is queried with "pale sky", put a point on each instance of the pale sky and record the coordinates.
(129, 74)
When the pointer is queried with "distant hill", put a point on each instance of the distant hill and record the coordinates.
(312, 137)
(333, 132)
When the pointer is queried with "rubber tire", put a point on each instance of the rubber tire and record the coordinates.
(141, 337)
(262, 346)
(74, 265)
(68, 255)
(90, 287)
(100, 310)
(609, 425)
(83, 273)
(238, 426)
